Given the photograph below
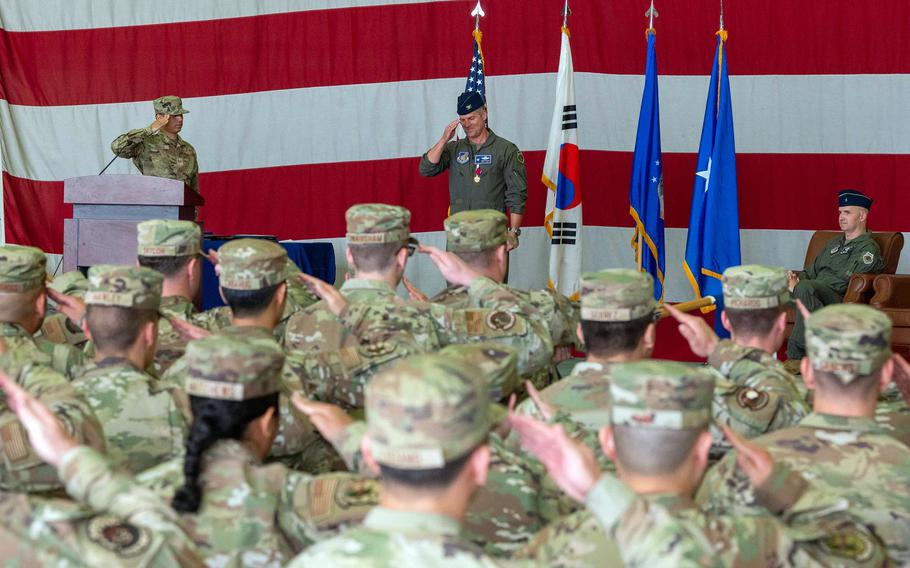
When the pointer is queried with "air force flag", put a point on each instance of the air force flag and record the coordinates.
(561, 176)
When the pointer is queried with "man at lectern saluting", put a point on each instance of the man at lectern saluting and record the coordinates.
(158, 150)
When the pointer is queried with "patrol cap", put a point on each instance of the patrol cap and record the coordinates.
(164, 237)
(233, 367)
(425, 411)
(846, 197)
(469, 101)
(72, 283)
(755, 287)
(848, 340)
(616, 294)
(169, 105)
(498, 365)
(251, 264)
(21, 268)
(475, 231)
(378, 223)
(124, 287)
(661, 394)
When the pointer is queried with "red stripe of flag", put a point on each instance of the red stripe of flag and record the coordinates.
(420, 41)
(776, 191)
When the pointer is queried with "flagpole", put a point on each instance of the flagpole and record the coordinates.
(639, 250)
(565, 14)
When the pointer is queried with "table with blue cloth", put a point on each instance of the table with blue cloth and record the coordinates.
(317, 259)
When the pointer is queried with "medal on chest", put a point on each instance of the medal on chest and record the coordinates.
(477, 173)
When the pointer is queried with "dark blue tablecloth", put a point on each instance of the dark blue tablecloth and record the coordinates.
(317, 259)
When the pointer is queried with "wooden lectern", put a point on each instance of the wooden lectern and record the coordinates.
(106, 210)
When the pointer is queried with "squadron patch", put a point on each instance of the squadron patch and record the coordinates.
(868, 258)
(114, 534)
(501, 320)
(462, 158)
(752, 399)
(849, 543)
(377, 349)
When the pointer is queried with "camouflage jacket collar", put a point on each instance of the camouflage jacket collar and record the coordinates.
(861, 424)
(177, 305)
(244, 331)
(671, 501)
(366, 284)
(394, 521)
(586, 367)
(8, 329)
(230, 450)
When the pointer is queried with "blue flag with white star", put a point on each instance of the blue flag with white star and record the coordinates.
(712, 245)
(476, 79)
(646, 191)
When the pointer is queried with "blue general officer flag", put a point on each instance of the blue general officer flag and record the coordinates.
(646, 192)
(712, 245)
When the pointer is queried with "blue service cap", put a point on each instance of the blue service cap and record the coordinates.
(469, 101)
(855, 197)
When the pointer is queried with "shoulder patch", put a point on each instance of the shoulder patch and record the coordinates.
(501, 320)
(520, 157)
(849, 543)
(462, 158)
(868, 258)
(752, 399)
(338, 499)
(118, 536)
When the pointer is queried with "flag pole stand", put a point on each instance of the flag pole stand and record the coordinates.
(638, 252)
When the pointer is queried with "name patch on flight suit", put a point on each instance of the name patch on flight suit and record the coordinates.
(483, 159)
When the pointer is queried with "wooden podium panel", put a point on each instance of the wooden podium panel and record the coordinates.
(106, 210)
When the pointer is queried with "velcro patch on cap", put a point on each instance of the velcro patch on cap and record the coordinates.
(214, 389)
(408, 458)
(168, 250)
(754, 303)
(109, 299)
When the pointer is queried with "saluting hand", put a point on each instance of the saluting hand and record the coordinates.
(160, 120)
(702, 339)
(755, 461)
(413, 291)
(45, 432)
(450, 265)
(449, 132)
(70, 306)
(334, 299)
(329, 419)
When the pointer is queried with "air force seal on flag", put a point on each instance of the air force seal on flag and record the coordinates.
(462, 158)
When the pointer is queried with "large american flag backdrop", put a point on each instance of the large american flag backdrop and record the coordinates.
(300, 108)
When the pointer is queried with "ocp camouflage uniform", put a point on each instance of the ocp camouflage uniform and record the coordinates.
(154, 154)
(851, 457)
(379, 327)
(22, 272)
(144, 420)
(118, 524)
(424, 412)
(668, 529)
(254, 514)
(759, 395)
(170, 239)
(254, 264)
(56, 327)
(485, 230)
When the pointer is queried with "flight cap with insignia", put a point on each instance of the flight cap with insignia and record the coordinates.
(21, 268)
(251, 264)
(846, 197)
(661, 394)
(427, 410)
(378, 223)
(165, 237)
(469, 101)
(169, 105)
(498, 364)
(72, 283)
(616, 294)
(124, 287)
(475, 231)
(755, 287)
(848, 340)
(233, 367)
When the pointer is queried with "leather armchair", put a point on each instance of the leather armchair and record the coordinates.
(892, 296)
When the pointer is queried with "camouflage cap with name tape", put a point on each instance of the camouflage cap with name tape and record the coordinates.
(427, 410)
(378, 223)
(848, 340)
(475, 231)
(165, 237)
(124, 287)
(252, 264)
(72, 283)
(755, 287)
(21, 268)
(170, 105)
(661, 394)
(233, 367)
(617, 294)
